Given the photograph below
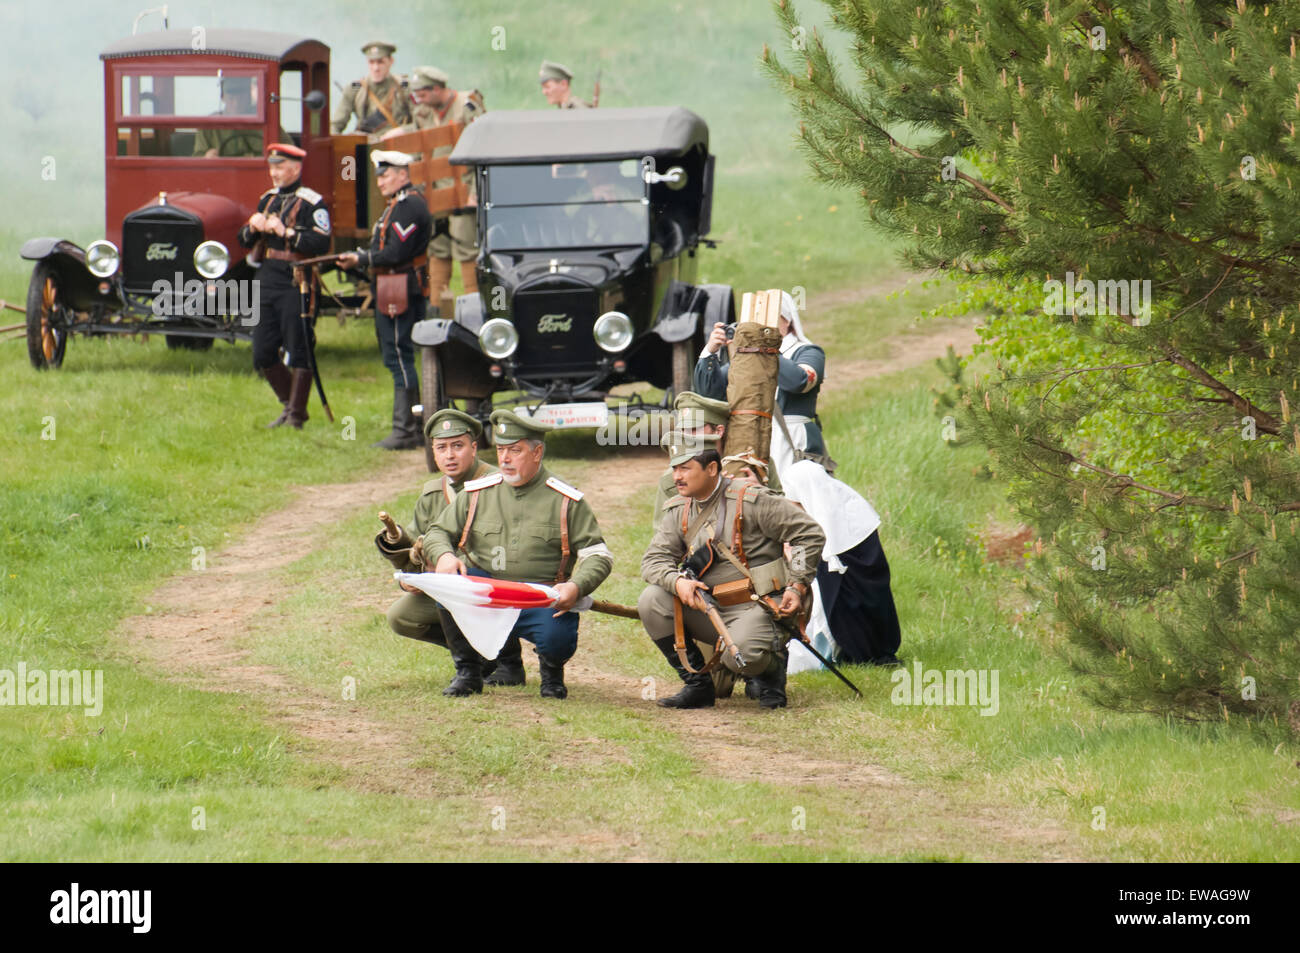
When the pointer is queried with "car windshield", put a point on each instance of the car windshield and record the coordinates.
(566, 205)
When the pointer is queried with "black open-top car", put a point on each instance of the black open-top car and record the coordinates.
(590, 223)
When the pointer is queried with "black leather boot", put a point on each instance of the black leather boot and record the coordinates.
(277, 375)
(469, 672)
(509, 666)
(406, 430)
(751, 687)
(299, 391)
(552, 677)
(771, 684)
(698, 690)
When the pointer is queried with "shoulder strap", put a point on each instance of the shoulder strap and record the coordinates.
(382, 104)
(469, 519)
(447, 493)
(560, 574)
(736, 540)
(722, 509)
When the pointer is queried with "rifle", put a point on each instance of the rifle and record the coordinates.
(323, 259)
(797, 630)
(690, 571)
(304, 306)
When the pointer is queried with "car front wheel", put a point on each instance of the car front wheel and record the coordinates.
(47, 318)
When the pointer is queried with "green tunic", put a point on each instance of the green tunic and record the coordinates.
(357, 101)
(667, 490)
(435, 495)
(769, 521)
(516, 532)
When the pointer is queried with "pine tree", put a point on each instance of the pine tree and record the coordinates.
(1152, 442)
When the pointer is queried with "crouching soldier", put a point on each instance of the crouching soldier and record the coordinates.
(731, 536)
(414, 615)
(524, 525)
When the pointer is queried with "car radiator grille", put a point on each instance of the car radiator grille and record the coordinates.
(153, 250)
(555, 332)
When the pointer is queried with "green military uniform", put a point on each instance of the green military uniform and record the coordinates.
(540, 531)
(558, 71)
(692, 412)
(228, 142)
(414, 614)
(766, 522)
(364, 98)
(459, 238)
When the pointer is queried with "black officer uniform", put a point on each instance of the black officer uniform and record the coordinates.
(279, 326)
(398, 246)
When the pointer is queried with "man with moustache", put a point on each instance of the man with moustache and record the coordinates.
(525, 525)
(713, 512)
(292, 222)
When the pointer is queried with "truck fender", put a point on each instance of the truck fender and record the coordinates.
(36, 249)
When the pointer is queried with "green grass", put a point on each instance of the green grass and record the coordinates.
(170, 446)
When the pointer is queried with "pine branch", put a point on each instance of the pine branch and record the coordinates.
(1264, 421)
(1124, 481)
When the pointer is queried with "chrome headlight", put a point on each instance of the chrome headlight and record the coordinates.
(211, 259)
(613, 331)
(498, 338)
(102, 258)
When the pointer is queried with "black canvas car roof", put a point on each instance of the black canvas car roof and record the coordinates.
(253, 44)
(555, 135)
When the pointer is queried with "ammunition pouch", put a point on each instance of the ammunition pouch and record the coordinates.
(733, 593)
(390, 294)
(373, 122)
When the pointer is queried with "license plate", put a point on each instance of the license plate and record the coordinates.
(562, 416)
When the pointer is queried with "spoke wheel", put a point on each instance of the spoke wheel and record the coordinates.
(47, 318)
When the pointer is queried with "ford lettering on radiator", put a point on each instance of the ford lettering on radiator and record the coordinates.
(160, 250)
(548, 323)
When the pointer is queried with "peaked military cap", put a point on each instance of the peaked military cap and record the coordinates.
(694, 411)
(426, 77)
(551, 70)
(378, 49)
(383, 158)
(509, 427)
(277, 152)
(452, 423)
(682, 447)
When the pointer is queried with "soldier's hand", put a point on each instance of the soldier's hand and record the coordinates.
(417, 551)
(349, 259)
(790, 602)
(687, 591)
(568, 596)
(717, 338)
(274, 225)
(257, 222)
(406, 587)
(448, 562)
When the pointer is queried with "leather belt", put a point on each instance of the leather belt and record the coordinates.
(414, 264)
(283, 255)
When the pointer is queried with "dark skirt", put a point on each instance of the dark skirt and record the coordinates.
(860, 606)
